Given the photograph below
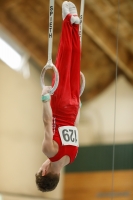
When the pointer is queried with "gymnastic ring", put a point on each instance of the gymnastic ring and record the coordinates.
(82, 84)
(45, 68)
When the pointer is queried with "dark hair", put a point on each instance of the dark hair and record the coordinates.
(48, 182)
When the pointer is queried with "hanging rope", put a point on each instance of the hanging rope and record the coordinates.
(116, 77)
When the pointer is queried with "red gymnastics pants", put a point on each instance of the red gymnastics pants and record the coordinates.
(65, 100)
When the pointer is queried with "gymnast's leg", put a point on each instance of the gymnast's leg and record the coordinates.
(75, 64)
(63, 64)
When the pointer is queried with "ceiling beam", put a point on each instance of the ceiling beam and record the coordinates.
(112, 55)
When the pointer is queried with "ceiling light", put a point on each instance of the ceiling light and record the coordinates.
(8, 55)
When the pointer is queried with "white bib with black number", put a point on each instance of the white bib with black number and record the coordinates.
(69, 135)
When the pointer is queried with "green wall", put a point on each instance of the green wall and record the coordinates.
(100, 157)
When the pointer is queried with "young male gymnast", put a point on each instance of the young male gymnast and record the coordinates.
(60, 143)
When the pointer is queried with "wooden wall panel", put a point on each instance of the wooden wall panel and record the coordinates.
(98, 185)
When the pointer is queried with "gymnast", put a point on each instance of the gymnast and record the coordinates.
(61, 110)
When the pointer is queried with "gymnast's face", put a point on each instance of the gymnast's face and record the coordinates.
(45, 167)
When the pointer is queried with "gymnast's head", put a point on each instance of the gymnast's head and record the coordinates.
(46, 179)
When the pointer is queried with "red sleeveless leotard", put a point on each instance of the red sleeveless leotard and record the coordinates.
(65, 100)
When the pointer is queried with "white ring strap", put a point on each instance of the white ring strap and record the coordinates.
(50, 64)
(81, 20)
(80, 35)
(51, 26)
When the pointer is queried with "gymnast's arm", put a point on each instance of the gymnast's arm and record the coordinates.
(47, 145)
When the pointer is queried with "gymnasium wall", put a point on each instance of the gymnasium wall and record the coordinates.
(21, 134)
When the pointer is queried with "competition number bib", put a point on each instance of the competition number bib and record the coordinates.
(69, 135)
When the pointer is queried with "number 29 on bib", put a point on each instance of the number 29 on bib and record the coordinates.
(69, 135)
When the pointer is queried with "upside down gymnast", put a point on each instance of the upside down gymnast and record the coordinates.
(61, 110)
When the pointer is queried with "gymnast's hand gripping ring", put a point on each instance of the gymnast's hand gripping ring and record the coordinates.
(82, 83)
(50, 65)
